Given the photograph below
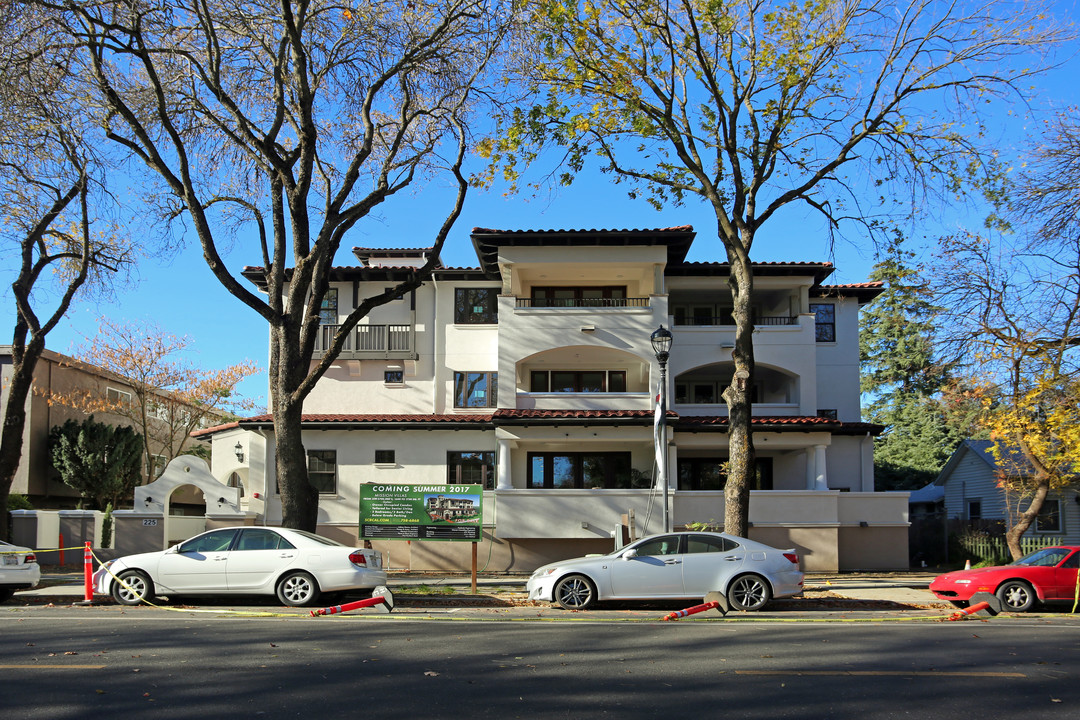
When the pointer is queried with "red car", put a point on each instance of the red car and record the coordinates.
(1047, 575)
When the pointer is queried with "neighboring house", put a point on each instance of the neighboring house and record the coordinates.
(534, 376)
(60, 374)
(971, 493)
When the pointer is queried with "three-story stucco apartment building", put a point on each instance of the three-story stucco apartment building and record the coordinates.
(534, 376)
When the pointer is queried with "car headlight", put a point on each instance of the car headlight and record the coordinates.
(963, 582)
(543, 572)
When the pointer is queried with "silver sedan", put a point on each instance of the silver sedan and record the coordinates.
(295, 566)
(674, 565)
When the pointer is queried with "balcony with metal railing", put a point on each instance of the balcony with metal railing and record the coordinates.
(528, 302)
(392, 342)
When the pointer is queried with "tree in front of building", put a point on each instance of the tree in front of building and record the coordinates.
(54, 240)
(277, 128)
(846, 107)
(169, 396)
(102, 462)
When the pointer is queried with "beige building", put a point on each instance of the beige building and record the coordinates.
(533, 375)
(62, 375)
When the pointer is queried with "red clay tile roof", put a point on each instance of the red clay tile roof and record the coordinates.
(510, 416)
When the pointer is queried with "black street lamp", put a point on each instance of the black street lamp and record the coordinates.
(661, 344)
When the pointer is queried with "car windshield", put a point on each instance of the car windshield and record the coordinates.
(1047, 557)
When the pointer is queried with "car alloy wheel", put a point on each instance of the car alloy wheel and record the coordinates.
(132, 587)
(1016, 596)
(749, 593)
(297, 589)
(575, 592)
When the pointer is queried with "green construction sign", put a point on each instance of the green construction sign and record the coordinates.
(421, 512)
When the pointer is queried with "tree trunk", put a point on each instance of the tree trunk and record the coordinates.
(24, 360)
(299, 500)
(1027, 518)
(741, 466)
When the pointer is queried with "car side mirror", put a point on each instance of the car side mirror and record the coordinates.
(629, 554)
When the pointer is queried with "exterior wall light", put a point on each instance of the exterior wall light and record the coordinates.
(239, 450)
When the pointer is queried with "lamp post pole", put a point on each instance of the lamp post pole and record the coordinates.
(661, 343)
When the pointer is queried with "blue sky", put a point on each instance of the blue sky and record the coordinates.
(183, 298)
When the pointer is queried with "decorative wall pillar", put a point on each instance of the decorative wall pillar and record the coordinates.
(503, 464)
(821, 478)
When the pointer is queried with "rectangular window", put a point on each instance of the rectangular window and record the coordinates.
(475, 389)
(476, 306)
(825, 322)
(827, 413)
(328, 311)
(577, 381)
(117, 397)
(595, 470)
(385, 457)
(1049, 517)
(974, 509)
(710, 473)
(322, 470)
(394, 377)
(471, 468)
(610, 296)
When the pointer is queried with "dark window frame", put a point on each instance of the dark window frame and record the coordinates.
(611, 377)
(824, 327)
(386, 457)
(394, 377)
(544, 295)
(328, 309)
(689, 478)
(468, 299)
(457, 468)
(1050, 510)
(316, 459)
(462, 383)
(611, 462)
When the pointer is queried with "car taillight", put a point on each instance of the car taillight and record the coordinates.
(30, 557)
(792, 557)
(358, 558)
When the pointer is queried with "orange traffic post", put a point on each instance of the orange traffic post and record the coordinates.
(381, 598)
(691, 611)
(970, 611)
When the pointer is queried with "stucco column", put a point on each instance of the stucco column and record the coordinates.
(821, 479)
(811, 471)
(504, 481)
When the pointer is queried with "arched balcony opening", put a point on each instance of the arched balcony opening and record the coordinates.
(583, 377)
(700, 391)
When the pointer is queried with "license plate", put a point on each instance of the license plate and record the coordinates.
(11, 560)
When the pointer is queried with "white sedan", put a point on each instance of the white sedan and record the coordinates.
(18, 570)
(296, 566)
(675, 565)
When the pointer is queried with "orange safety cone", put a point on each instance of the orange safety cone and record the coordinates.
(967, 564)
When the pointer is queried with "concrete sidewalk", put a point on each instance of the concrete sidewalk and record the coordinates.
(901, 588)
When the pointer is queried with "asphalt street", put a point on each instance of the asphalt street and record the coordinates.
(67, 662)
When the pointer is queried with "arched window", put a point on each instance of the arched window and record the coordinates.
(236, 482)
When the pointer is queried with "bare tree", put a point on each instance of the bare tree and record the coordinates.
(49, 189)
(847, 107)
(295, 118)
(1048, 194)
(1014, 316)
